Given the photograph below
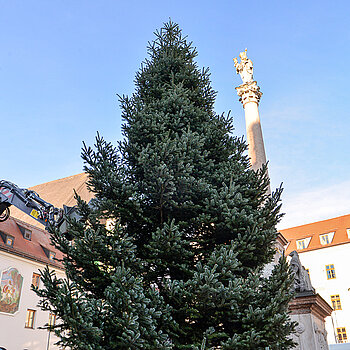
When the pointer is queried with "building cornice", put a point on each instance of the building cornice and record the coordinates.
(16, 252)
(301, 251)
(281, 239)
(310, 303)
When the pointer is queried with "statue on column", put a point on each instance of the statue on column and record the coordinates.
(245, 68)
(302, 281)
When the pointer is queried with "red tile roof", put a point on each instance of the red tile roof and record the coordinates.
(30, 249)
(337, 225)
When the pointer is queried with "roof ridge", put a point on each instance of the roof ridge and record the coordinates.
(27, 224)
(63, 178)
(314, 222)
(75, 190)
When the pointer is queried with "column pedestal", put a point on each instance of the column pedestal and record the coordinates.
(310, 310)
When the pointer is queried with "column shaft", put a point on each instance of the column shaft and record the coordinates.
(256, 149)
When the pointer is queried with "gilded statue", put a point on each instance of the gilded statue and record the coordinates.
(245, 68)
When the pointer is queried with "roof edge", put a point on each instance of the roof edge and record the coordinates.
(62, 178)
(30, 225)
(30, 257)
(314, 222)
(301, 251)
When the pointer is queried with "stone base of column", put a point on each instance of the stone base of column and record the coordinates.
(309, 310)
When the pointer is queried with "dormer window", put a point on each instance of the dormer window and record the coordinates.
(9, 240)
(326, 238)
(303, 243)
(27, 234)
(49, 253)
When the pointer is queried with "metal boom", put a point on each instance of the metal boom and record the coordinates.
(30, 203)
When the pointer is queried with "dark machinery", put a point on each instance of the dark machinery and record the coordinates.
(30, 203)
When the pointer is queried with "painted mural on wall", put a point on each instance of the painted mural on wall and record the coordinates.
(10, 291)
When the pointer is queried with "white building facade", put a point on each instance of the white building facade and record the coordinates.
(324, 250)
(24, 250)
(333, 285)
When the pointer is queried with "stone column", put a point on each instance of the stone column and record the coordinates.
(249, 95)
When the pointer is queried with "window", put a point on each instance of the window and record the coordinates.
(49, 253)
(30, 318)
(303, 243)
(341, 332)
(286, 247)
(326, 238)
(330, 271)
(10, 240)
(52, 319)
(348, 232)
(27, 234)
(336, 302)
(35, 279)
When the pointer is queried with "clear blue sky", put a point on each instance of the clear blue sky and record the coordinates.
(63, 62)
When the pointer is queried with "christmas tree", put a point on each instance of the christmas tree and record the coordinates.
(190, 227)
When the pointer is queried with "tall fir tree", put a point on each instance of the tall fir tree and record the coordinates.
(180, 267)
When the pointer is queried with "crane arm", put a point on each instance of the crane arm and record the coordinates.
(32, 204)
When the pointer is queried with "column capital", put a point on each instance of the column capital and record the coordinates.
(249, 92)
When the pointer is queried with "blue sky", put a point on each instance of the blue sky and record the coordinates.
(63, 62)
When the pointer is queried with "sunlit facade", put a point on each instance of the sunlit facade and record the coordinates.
(324, 250)
(24, 251)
